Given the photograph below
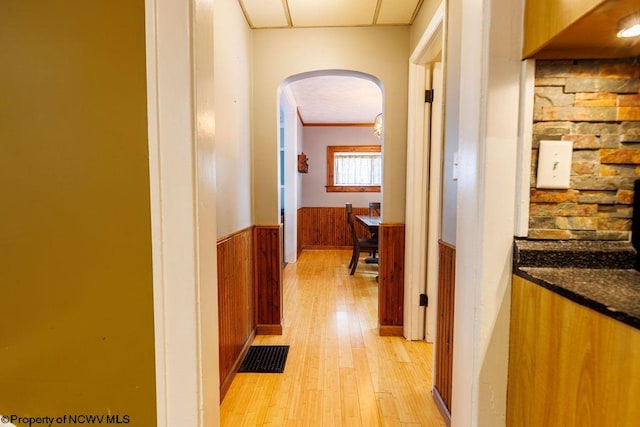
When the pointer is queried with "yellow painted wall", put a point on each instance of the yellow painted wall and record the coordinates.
(76, 328)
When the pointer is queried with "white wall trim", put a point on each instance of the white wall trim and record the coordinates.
(489, 81)
(429, 37)
(472, 83)
(417, 206)
(527, 89)
(417, 211)
(208, 349)
(180, 137)
(435, 192)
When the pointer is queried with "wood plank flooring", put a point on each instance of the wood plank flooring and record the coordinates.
(339, 372)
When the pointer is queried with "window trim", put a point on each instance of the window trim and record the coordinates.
(331, 150)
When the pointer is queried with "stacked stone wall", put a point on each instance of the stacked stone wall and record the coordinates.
(595, 104)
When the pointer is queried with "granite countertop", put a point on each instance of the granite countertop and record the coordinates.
(598, 275)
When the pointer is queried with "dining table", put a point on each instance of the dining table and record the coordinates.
(371, 222)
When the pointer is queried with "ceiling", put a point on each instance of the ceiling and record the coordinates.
(332, 99)
(328, 13)
(325, 100)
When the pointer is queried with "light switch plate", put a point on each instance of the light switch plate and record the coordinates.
(554, 164)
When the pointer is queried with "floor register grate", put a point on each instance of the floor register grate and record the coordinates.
(265, 359)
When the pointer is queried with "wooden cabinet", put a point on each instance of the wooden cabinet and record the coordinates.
(569, 365)
(576, 29)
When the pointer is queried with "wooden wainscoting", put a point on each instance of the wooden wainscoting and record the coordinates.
(444, 335)
(391, 279)
(237, 324)
(326, 227)
(268, 279)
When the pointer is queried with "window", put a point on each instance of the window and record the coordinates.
(352, 168)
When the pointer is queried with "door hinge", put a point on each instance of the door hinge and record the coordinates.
(424, 300)
(428, 96)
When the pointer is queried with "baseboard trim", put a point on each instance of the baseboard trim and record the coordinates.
(269, 329)
(226, 384)
(441, 406)
(390, 331)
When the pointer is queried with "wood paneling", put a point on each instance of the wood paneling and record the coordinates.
(444, 335)
(237, 324)
(268, 279)
(326, 227)
(391, 279)
(569, 365)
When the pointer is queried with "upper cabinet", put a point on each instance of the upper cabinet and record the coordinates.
(574, 29)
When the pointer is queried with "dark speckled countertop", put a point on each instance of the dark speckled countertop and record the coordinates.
(598, 275)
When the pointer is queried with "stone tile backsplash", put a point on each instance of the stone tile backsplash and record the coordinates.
(595, 104)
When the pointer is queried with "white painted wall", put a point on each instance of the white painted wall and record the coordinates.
(381, 52)
(232, 90)
(315, 142)
(292, 178)
(452, 108)
(488, 51)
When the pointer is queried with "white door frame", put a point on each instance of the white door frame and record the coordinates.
(434, 220)
(417, 208)
(179, 50)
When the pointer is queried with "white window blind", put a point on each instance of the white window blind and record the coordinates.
(357, 168)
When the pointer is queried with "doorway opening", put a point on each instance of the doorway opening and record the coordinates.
(431, 209)
(319, 109)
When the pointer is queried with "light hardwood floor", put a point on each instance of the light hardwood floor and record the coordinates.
(339, 372)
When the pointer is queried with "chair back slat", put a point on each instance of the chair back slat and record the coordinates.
(350, 221)
(374, 208)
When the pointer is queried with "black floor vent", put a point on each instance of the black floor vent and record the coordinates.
(265, 359)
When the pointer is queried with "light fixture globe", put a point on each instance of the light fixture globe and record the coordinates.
(377, 125)
(629, 26)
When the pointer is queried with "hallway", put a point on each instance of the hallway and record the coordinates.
(338, 371)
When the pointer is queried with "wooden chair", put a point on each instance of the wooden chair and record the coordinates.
(360, 244)
(374, 208)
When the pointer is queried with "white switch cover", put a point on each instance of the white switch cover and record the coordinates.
(554, 164)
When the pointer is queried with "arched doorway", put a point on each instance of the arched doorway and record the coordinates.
(338, 105)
